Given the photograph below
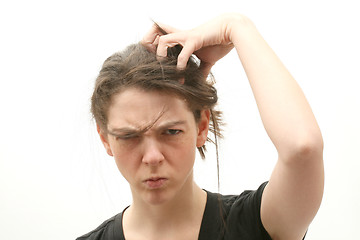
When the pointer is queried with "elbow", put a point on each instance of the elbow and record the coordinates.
(306, 148)
(310, 147)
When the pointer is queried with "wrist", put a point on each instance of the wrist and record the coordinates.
(237, 25)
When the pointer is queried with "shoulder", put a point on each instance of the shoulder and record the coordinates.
(240, 214)
(108, 230)
(247, 199)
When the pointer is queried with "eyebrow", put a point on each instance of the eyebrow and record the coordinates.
(139, 131)
(172, 124)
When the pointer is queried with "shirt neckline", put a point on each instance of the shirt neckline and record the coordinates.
(209, 222)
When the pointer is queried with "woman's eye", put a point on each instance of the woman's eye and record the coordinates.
(127, 137)
(173, 131)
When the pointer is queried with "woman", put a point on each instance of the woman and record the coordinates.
(153, 107)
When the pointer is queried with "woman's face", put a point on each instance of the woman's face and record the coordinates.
(153, 137)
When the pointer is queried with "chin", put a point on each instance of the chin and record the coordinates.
(157, 197)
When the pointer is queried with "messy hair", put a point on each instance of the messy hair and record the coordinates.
(137, 67)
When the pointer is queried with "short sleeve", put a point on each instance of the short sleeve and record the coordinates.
(243, 218)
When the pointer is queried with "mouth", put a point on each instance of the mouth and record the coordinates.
(155, 182)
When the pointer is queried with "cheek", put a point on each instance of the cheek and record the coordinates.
(124, 149)
(126, 158)
(127, 167)
(184, 152)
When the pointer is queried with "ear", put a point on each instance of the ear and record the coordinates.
(203, 127)
(104, 140)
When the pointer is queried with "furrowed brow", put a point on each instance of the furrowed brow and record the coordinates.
(130, 132)
(133, 131)
(172, 124)
(125, 132)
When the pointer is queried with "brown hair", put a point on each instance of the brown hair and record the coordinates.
(137, 67)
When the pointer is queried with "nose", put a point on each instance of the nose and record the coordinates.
(152, 154)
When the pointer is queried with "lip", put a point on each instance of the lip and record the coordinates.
(155, 182)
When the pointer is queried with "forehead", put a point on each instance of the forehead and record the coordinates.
(137, 108)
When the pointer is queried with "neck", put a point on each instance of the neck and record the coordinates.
(186, 206)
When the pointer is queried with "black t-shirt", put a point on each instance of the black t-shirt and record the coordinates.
(239, 218)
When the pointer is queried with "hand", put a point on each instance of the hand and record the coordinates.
(209, 42)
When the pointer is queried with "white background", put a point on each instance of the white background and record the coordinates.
(56, 181)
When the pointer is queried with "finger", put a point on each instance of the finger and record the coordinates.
(166, 28)
(156, 41)
(150, 36)
(161, 50)
(151, 47)
(150, 39)
(185, 54)
(156, 30)
(167, 41)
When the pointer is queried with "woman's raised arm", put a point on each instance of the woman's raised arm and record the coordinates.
(294, 192)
